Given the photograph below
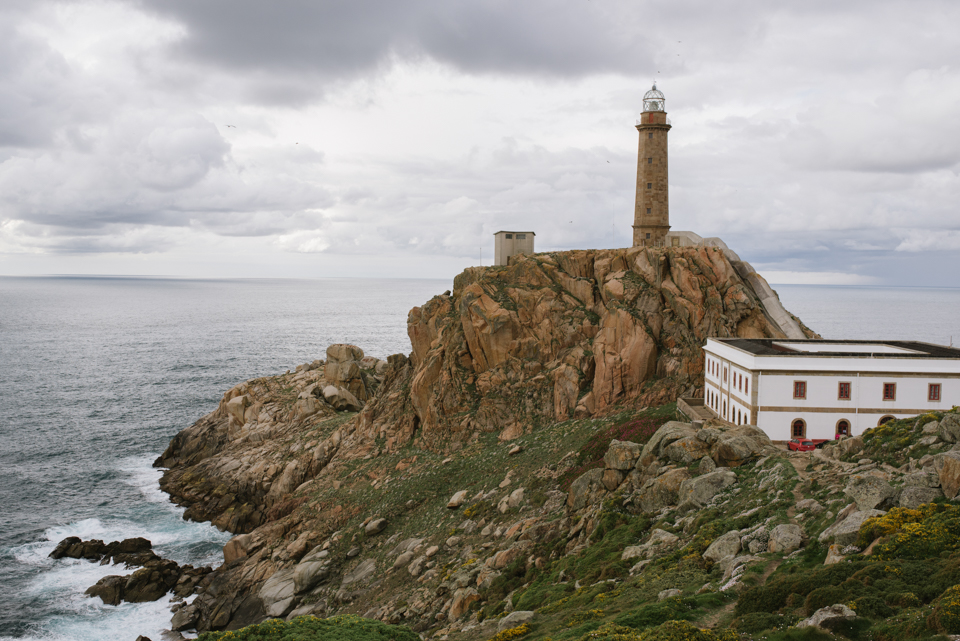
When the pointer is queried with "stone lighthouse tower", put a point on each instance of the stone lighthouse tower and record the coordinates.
(651, 218)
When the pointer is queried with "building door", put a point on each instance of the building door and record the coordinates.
(799, 429)
(843, 427)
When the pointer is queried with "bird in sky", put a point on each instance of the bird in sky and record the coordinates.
(234, 126)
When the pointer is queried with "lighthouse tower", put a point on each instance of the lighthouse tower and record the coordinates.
(651, 218)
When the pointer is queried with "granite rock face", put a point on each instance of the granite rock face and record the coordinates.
(561, 334)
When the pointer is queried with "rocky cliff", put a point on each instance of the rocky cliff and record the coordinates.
(565, 334)
(509, 355)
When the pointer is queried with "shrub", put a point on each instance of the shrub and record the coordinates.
(513, 633)
(892, 521)
(346, 627)
(946, 613)
(938, 532)
(655, 614)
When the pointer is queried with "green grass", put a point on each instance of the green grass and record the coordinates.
(338, 628)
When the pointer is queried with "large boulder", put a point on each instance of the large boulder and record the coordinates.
(662, 491)
(825, 616)
(700, 490)
(621, 455)
(462, 600)
(341, 399)
(586, 489)
(869, 492)
(664, 436)
(846, 531)
(109, 589)
(913, 497)
(949, 428)
(785, 538)
(660, 541)
(343, 369)
(726, 546)
(686, 450)
(849, 446)
(514, 619)
(947, 467)
(921, 478)
(278, 594)
(740, 444)
(312, 570)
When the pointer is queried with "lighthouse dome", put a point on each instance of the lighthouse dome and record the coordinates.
(653, 100)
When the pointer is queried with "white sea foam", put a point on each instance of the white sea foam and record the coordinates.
(64, 581)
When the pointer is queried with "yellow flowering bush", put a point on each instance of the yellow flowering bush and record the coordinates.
(892, 521)
(584, 616)
(513, 633)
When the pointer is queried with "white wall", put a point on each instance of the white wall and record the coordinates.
(821, 409)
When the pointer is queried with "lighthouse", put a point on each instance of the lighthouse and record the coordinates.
(651, 218)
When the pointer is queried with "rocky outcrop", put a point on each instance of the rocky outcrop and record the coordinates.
(155, 578)
(558, 334)
(549, 337)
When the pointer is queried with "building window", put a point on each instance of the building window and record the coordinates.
(746, 386)
(884, 420)
(649, 161)
(521, 236)
(843, 427)
(799, 428)
(509, 236)
(648, 210)
(649, 185)
(724, 410)
(843, 391)
(648, 235)
(889, 391)
(724, 374)
(650, 135)
(799, 389)
(933, 392)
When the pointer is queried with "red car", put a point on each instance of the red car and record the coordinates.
(801, 445)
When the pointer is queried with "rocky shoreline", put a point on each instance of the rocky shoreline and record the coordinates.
(291, 463)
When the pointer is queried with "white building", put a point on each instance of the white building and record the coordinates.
(509, 243)
(820, 388)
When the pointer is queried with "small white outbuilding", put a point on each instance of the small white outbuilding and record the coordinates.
(821, 389)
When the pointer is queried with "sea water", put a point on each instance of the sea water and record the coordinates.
(98, 374)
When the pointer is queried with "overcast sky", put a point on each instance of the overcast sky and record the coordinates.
(302, 138)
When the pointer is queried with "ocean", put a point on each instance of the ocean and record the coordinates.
(98, 374)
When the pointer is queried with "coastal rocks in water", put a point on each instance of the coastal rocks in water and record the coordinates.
(135, 551)
(155, 578)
